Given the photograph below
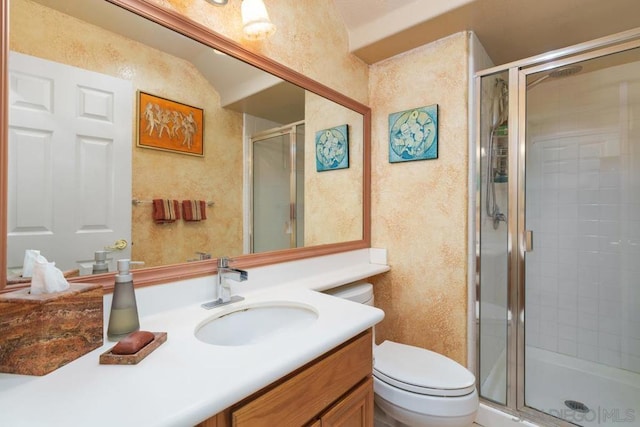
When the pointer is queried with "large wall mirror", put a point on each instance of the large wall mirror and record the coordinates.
(112, 105)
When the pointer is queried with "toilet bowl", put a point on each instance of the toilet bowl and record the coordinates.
(413, 386)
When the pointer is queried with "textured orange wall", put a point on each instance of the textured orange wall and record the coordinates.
(419, 208)
(337, 215)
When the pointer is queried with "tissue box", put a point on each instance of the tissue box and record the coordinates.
(40, 333)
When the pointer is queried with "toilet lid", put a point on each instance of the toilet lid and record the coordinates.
(421, 371)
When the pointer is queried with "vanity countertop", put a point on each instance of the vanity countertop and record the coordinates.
(184, 381)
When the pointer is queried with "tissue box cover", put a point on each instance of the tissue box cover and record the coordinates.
(40, 333)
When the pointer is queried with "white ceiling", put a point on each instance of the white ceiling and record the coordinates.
(508, 29)
(372, 20)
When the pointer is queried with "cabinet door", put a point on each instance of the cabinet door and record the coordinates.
(302, 397)
(354, 410)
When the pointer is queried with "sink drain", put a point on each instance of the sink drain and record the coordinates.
(576, 406)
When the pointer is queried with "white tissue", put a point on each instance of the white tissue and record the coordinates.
(30, 256)
(47, 278)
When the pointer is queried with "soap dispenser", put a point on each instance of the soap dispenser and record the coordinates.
(100, 265)
(123, 318)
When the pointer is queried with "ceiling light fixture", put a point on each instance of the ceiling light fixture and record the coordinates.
(255, 20)
(218, 2)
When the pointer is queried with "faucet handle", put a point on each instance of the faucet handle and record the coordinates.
(223, 262)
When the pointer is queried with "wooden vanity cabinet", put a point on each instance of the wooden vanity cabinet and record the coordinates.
(334, 390)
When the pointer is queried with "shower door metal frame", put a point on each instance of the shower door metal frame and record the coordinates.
(516, 246)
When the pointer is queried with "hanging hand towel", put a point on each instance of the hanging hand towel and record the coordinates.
(194, 210)
(165, 211)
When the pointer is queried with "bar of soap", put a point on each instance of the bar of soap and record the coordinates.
(133, 342)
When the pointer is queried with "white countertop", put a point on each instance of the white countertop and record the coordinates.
(184, 381)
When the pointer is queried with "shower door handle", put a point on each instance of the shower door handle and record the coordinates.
(528, 241)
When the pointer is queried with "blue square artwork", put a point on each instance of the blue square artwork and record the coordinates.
(413, 134)
(332, 148)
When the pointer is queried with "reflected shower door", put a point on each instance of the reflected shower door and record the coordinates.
(277, 186)
(582, 205)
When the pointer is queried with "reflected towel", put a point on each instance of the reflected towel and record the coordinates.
(194, 210)
(165, 211)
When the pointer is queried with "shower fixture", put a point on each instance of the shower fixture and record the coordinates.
(498, 146)
(497, 152)
(556, 73)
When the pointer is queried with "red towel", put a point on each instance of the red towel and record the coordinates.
(165, 211)
(194, 210)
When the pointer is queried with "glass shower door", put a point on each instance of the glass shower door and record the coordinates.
(582, 207)
(493, 294)
(278, 189)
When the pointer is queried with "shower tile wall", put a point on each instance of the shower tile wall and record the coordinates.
(582, 278)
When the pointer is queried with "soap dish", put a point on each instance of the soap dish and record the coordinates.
(108, 358)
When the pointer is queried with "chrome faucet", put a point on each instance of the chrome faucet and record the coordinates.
(223, 289)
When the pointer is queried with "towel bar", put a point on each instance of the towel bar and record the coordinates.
(136, 202)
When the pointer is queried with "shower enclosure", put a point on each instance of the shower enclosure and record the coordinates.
(558, 229)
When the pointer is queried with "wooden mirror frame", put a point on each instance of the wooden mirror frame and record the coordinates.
(174, 272)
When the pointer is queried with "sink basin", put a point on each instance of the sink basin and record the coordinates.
(256, 323)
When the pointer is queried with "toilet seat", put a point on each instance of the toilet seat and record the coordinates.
(421, 371)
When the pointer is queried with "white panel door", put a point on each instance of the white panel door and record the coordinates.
(70, 142)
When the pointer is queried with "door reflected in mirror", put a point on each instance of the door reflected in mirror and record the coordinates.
(89, 186)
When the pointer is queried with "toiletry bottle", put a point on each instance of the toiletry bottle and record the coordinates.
(100, 265)
(123, 318)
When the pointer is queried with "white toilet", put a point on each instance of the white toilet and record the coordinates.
(414, 386)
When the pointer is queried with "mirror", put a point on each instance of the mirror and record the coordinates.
(172, 65)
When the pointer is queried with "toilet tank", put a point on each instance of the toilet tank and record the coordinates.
(360, 292)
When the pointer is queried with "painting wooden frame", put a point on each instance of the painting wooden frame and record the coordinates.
(168, 125)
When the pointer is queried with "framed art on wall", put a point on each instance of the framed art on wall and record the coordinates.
(169, 126)
(413, 134)
(332, 148)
